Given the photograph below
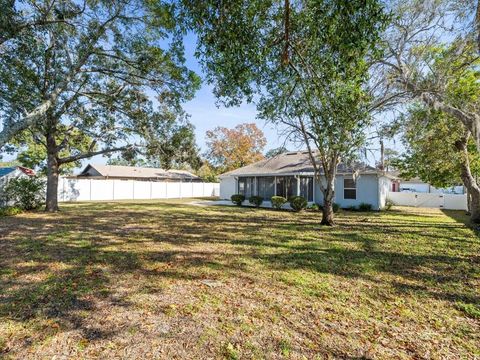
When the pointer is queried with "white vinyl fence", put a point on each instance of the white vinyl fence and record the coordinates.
(90, 189)
(430, 200)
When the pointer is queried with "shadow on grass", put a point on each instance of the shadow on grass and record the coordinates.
(54, 266)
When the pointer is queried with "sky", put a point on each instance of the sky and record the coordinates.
(206, 115)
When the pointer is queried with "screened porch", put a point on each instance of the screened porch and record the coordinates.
(268, 186)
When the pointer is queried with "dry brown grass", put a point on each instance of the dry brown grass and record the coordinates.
(171, 281)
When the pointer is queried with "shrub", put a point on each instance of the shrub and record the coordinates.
(237, 199)
(351, 208)
(388, 204)
(298, 203)
(27, 193)
(10, 211)
(313, 207)
(336, 207)
(365, 207)
(255, 200)
(278, 201)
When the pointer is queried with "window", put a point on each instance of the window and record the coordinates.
(349, 189)
(286, 186)
(306, 188)
(266, 187)
(246, 186)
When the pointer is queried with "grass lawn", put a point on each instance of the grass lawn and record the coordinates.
(169, 280)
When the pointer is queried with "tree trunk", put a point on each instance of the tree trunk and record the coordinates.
(475, 207)
(328, 196)
(327, 213)
(470, 183)
(51, 204)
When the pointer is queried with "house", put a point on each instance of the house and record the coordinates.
(292, 173)
(11, 172)
(418, 186)
(114, 172)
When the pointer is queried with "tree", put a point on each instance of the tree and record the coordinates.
(442, 74)
(304, 63)
(207, 172)
(442, 154)
(276, 151)
(229, 149)
(419, 27)
(31, 151)
(88, 72)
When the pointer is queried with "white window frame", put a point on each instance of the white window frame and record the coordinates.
(349, 188)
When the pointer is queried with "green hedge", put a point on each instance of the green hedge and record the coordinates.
(278, 202)
(298, 203)
(237, 199)
(255, 200)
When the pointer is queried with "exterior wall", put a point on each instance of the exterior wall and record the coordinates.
(420, 187)
(414, 187)
(370, 189)
(367, 192)
(384, 187)
(228, 187)
(95, 189)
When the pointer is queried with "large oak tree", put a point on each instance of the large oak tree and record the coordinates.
(109, 73)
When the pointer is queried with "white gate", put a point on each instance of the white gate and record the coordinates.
(429, 200)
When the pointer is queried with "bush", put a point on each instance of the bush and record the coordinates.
(278, 201)
(237, 199)
(27, 193)
(10, 211)
(388, 204)
(298, 203)
(365, 207)
(255, 200)
(336, 207)
(314, 207)
(351, 208)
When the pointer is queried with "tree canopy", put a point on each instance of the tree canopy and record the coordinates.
(229, 149)
(100, 76)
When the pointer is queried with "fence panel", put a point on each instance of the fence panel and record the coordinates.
(141, 190)
(402, 198)
(430, 200)
(90, 189)
(123, 190)
(159, 190)
(456, 202)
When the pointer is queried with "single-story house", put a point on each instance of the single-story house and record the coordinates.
(10, 172)
(116, 172)
(416, 185)
(292, 174)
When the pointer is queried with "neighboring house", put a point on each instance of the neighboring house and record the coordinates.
(292, 173)
(113, 172)
(416, 185)
(10, 172)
